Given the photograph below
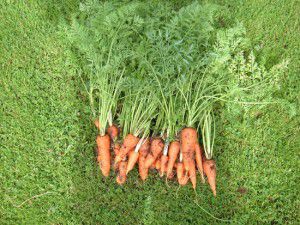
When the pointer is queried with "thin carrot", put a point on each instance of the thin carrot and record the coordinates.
(103, 143)
(121, 178)
(199, 161)
(116, 152)
(129, 143)
(145, 148)
(155, 150)
(181, 174)
(210, 169)
(173, 154)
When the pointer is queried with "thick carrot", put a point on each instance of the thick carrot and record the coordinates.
(113, 132)
(129, 143)
(121, 178)
(210, 169)
(132, 159)
(156, 148)
(199, 161)
(103, 143)
(173, 154)
(145, 148)
(188, 141)
(164, 162)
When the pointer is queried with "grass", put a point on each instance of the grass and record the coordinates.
(47, 137)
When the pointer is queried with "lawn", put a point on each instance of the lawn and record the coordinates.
(48, 172)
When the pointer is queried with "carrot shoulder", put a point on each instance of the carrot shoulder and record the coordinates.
(103, 143)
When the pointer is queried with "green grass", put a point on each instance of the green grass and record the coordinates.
(47, 138)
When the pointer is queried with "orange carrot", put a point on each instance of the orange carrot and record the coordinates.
(188, 141)
(155, 150)
(199, 161)
(181, 175)
(103, 143)
(113, 132)
(192, 173)
(164, 162)
(132, 159)
(158, 164)
(173, 154)
(145, 148)
(129, 143)
(209, 168)
(121, 178)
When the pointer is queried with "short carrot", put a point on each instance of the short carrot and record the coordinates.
(145, 148)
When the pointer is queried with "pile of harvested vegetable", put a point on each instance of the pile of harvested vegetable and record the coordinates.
(156, 82)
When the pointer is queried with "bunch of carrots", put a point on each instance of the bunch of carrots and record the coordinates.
(153, 82)
(181, 157)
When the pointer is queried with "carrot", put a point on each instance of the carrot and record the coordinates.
(103, 143)
(199, 161)
(188, 141)
(132, 159)
(173, 154)
(164, 162)
(143, 171)
(209, 168)
(113, 132)
(192, 173)
(181, 176)
(129, 143)
(121, 178)
(158, 164)
(152, 167)
(155, 150)
(116, 149)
